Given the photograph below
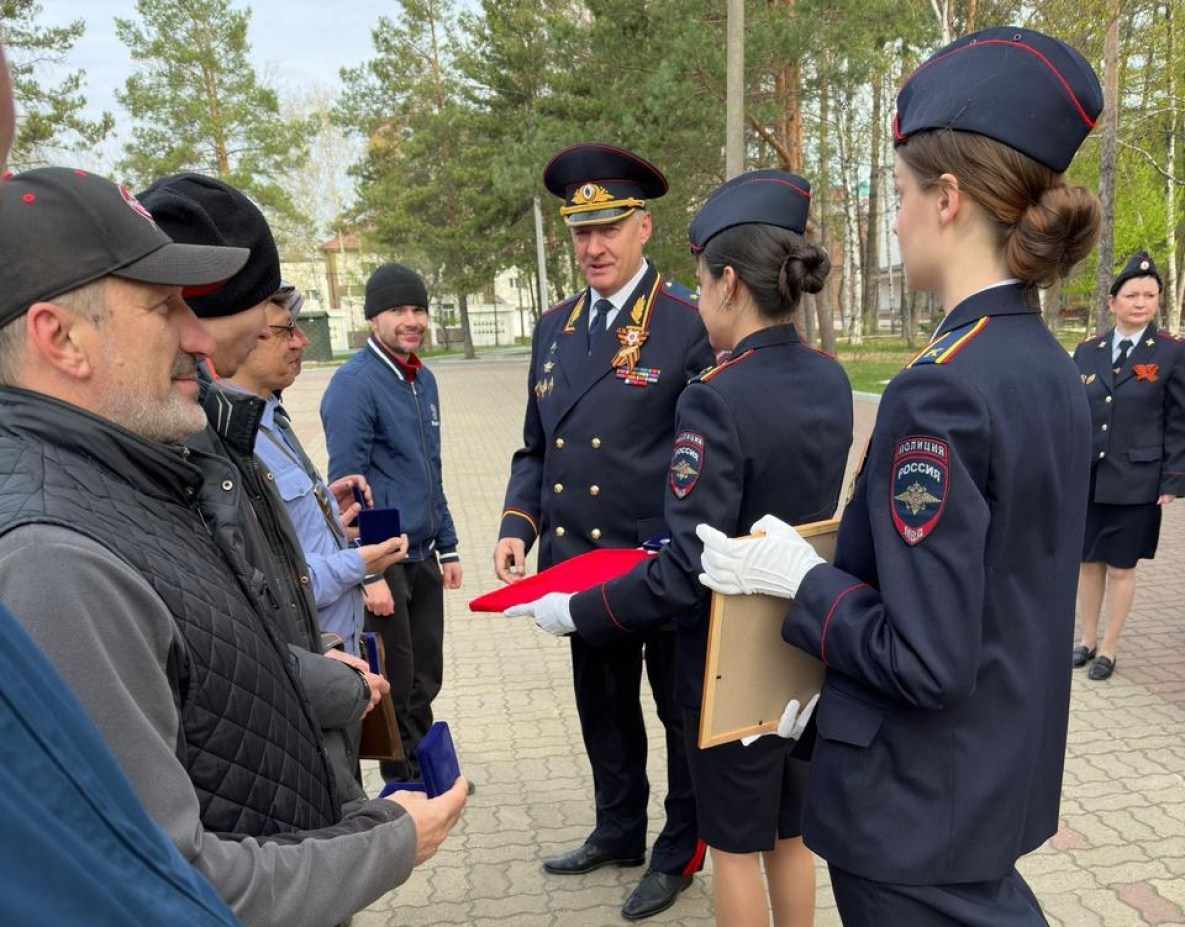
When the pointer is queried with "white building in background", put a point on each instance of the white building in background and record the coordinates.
(502, 315)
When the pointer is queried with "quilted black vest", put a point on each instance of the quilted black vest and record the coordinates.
(248, 737)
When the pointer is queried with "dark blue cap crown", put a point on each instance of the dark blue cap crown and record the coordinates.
(766, 197)
(1026, 90)
(601, 184)
(1138, 265)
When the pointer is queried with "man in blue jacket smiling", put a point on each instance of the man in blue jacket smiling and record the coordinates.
(381, 414)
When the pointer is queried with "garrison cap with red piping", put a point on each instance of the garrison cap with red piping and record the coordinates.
(765, 197)
(1024, 89)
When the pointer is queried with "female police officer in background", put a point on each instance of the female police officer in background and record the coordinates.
(1135, 380)
(941, 728)
(767, 431)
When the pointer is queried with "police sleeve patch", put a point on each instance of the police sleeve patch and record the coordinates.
(687, 461)
(919, 486)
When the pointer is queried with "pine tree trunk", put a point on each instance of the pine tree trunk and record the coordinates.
(1107, 165)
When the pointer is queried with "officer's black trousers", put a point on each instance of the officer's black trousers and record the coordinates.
(608, 696)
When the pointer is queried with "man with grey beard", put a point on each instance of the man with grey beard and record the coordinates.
(118, 553)
(117, 867)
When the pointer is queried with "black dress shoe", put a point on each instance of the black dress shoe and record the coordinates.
(587, 858)
(1101, 669)
(656, 892)
(1082, 655)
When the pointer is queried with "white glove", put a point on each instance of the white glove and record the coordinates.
(551, 613)
(792, 723)
(771, 565)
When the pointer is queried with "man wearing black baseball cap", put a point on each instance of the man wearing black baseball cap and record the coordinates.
(78, 247)
(152, 615)
(50, 754)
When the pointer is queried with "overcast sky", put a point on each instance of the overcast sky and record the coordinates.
(297, 44)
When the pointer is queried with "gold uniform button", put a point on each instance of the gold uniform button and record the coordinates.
(559, 443)
(596, 443)
(1108, 399)
(596, 534)
(558, 487)
(560, 532)
(1104, 427)
(594, 490)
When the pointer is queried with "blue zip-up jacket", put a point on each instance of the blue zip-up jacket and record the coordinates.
(379, 424)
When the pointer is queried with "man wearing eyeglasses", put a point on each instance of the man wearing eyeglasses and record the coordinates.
(343, 576)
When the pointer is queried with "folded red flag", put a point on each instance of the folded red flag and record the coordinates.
(575, 575)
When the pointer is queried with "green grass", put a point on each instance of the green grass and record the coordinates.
(872, 364)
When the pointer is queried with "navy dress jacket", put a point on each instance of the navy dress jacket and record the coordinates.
(767, 432)
(597, 441)
(1137, 417)
(946, 620)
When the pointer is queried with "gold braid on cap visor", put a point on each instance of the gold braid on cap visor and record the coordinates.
(594, 198)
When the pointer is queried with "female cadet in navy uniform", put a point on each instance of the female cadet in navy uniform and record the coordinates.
(767, 431)
(944, 623)
(1135, 380)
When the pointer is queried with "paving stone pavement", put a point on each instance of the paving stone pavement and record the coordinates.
(1117, 861)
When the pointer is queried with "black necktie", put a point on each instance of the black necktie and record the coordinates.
(596, 334)
(1124, 346)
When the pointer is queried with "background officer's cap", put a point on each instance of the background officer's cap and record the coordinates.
(1138, 265)
(601, 184)
(1031, 92)
(766, 197)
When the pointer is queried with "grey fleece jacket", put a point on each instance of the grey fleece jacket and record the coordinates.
(109, 635)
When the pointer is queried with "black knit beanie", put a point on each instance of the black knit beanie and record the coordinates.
(394, 285)
(199, 210)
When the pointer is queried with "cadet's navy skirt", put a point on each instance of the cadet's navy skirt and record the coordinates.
(746, 798)
(1120, 535)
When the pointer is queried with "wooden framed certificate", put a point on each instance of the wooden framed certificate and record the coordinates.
(751, 673)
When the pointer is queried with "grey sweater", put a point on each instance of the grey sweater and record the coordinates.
(109, 635)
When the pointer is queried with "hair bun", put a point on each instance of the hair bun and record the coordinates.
(804, 271)
(1054, 234)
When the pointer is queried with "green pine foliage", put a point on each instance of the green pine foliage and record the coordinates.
(198, 105)
(50, 123)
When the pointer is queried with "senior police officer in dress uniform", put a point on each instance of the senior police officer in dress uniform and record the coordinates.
(943, 623)
(607, 368)
(765, 432)
(1134, 376)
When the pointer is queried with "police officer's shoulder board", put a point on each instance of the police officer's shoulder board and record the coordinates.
(1164, 335)
(566, 303)
(947, 346)
(706, 376)
(680, 293)
(1090, 339)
